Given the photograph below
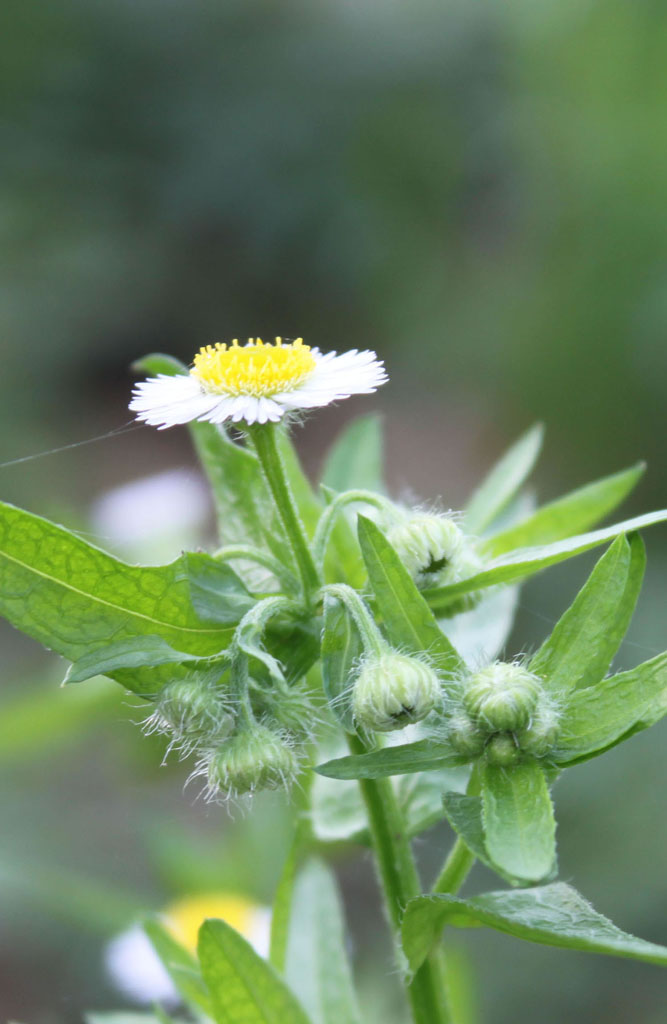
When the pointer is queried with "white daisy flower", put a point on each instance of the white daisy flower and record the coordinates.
(255, 383)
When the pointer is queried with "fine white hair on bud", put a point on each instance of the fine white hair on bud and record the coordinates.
(193, 712)
(502, 697)
(465, 736)
(253, 758)
(541, 733)
(393, 690)
(436, 552)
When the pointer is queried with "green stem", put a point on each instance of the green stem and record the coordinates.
(263, 437)
(371, 637)
(460, 858)
(400, 883)
(327, 520)
(456, 868)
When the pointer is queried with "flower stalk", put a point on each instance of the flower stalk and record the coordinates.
(263, 438)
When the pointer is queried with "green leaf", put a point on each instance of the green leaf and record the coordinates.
(584, 641)
(217, 593)
(464, 814)
(409, 621)
(341, 650)
(157, 362)
(137, 652)
(502, 483)
(337, 811)
(421, 795)
(180, 965)
(552, 915)
(355, 460)
(281, 910)
(318, 970)
(244, 989)
(528, 561)
(75, 598)
(601, 716)
(518, 821)
(423, 755)
(568, 515)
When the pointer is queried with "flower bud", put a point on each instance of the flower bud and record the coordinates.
(193, 711)
(502, 750)
(393, 690)
(436, 553)
(426, 544)
(289, 708)
(465, 736)
(253, 758)
(539, 736)
(502, 697)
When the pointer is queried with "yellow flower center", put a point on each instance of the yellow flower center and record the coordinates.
(184, 917)
(255, 369)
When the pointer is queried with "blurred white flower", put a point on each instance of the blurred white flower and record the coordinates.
(168, 507)
(134, 966)
(255, 383)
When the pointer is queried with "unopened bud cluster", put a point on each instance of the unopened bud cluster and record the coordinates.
(504, 714)
(238, 753)
(436, 552)
(393, 690)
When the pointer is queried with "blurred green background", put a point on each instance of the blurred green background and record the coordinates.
(476, 191)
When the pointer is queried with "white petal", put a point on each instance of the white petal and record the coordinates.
(168, 401)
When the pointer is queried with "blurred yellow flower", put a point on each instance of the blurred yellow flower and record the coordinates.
(135, 967)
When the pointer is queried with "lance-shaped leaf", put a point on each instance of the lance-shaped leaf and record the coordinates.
(568, 515)
(552, 915)
(518, 821)
(355, 460)
(317, 968)
(408, 620)
(527, 561)
(424, 755)
(341, 649)
(75, 598)
(180, 965)
(502, 483)
(242, 986)
(136, 652)
(585, 639)
(601, 716)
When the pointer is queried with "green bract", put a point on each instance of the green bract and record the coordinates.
(324, 619)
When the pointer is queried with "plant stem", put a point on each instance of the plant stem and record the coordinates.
(400, 882)
(263, 437)
(456, 868)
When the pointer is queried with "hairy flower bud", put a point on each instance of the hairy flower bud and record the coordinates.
(252, 759)
(193, 711)
(502, 697)
(393, 690)
(436, 552)
(426, 543)
(466, 737)
(502, 750)
(539, 736)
